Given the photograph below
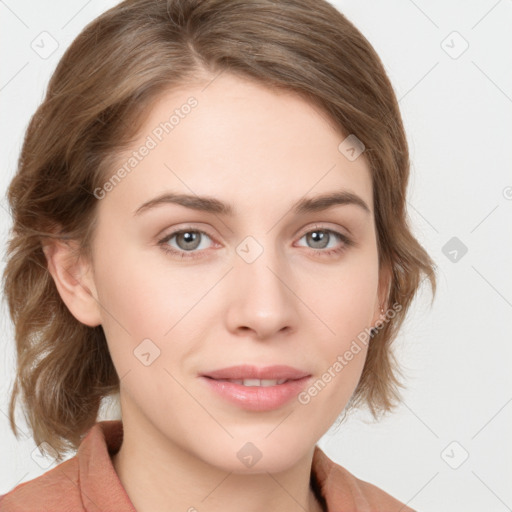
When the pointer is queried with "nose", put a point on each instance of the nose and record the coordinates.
(260, 299)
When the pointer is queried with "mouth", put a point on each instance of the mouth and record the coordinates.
(248, 375)
(257, 389)
(254, 382)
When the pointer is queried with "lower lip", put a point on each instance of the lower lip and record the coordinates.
(257, 398)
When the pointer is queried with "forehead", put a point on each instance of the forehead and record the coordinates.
(239, 141)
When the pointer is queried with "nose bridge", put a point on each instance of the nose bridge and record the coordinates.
(257, 263)
(262, 301)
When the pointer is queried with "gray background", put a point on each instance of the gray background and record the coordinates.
(448, 447)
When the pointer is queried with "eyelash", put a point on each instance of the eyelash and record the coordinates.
(196, 254)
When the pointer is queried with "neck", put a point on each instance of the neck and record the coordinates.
(159, 475)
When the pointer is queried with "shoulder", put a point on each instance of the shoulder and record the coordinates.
(343, 490)
(57, 489)
(377, 498)
(88, 477)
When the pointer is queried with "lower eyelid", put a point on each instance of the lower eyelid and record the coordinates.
(173, 234)
(344, 239)
(340, 236)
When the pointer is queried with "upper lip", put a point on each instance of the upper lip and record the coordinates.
(246, 371)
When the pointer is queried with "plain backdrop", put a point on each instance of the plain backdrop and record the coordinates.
(448, 447)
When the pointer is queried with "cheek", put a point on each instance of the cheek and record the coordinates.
(345, 307)
(132, 309)
(345, 298)
(144, 301)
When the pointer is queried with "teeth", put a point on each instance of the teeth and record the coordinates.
(257, 382)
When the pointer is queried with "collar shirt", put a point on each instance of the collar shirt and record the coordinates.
(88, 482)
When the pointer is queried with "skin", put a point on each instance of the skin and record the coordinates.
(261, 151)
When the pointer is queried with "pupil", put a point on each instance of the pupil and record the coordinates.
(318, 236)
(189, 237)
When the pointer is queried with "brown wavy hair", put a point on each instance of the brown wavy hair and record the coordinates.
(96, 101)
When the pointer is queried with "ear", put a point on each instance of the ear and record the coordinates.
(381, 301)
(74, 280)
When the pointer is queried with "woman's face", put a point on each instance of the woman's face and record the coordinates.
(263, 284)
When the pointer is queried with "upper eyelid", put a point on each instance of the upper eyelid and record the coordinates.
(303, 232)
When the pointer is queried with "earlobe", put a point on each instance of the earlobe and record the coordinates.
(74, 280)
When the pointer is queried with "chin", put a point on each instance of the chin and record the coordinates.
(250, 455)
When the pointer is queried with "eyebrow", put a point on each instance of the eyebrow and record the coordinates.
(213, 205)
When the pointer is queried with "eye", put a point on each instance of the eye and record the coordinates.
(187, 239)
(320, 238)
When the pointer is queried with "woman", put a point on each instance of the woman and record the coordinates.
(209, 218)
